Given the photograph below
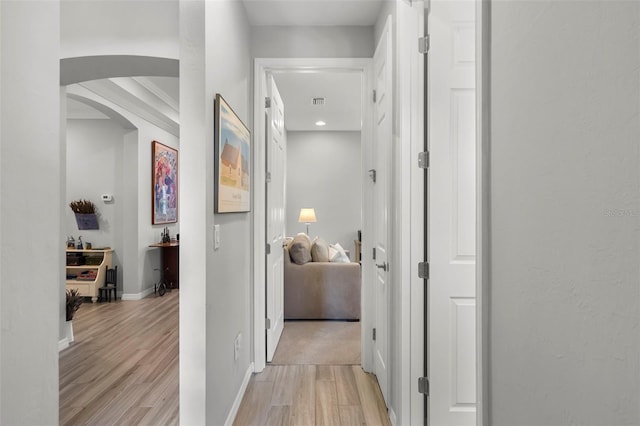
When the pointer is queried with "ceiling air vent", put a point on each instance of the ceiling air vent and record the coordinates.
(317, 101)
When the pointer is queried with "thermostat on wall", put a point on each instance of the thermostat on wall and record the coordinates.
(107, 198)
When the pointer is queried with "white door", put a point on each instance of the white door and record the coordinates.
(276, 163)
(381, 158)
(451, 311)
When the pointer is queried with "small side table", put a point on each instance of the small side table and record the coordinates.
(170, 257)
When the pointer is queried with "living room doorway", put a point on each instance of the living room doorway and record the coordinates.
(326, 126)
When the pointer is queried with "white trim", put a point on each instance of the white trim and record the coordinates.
(392, 417)
(137, 296)
(261, 66)
(416, 217)
(483, 224)
(236, 402)
(63, 344)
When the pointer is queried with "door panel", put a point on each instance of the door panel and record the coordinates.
(381, 160)
(451, 310)
(276, 164)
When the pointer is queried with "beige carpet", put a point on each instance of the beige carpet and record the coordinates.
(319, 343)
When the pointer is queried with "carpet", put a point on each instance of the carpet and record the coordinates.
(319, 343)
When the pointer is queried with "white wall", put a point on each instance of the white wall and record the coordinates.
(132, 27)
(564, 303)
(215, 295)
(30, 212)
(95, 153)
(312, 42)
(323, 172)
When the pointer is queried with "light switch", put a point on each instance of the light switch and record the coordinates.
(216, 237)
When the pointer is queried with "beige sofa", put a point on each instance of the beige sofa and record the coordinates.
(321, 290)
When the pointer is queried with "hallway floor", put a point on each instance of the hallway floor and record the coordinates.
(305, 391)
(123, 366)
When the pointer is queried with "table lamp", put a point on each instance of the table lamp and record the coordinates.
(307, 216)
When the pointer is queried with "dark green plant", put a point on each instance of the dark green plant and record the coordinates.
(74, 300)
(82, 206)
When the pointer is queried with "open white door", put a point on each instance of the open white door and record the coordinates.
(276, 163)
(452, 207)
(381, 159)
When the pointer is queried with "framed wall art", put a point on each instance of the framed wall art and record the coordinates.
(232, 160)
(164, 180)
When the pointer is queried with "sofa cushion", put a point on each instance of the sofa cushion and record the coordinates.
(300, 249)
(338, 254)
(320, 250)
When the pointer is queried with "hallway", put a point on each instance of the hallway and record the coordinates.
(123, 366)
(315, 379)
(303, 395)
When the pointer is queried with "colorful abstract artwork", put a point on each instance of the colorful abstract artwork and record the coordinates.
(165, 184)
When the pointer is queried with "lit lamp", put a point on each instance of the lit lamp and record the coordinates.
(307, 216)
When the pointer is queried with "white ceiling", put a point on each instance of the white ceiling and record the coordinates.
(342, 93)
(155, 99)
(77, 110)
(313, 12)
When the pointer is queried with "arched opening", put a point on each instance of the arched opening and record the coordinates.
(108, 151)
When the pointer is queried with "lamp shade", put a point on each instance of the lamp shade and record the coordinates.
(307, 216)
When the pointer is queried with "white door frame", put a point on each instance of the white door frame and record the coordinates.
(483, 225)
(483, 206)
(261, 67)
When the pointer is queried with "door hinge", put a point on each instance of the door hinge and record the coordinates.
(268, 177)
(374, 253)
(372, 175)
(423, 270)
(267, 323)
(375, 97)
(374, 334)
(423, 160)
(423, 44)
(267, 102)
(268, 249)
(423, 385)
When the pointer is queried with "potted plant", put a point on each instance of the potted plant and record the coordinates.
(74, 300)
(85, 212)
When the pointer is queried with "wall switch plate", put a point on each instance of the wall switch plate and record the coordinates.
(216, 237)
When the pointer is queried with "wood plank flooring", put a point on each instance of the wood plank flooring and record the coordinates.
(123, 369)
(304, 395)
(123, 366)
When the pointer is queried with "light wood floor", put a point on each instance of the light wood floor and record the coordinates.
(123, 369)
(123, 366)
(304, 395)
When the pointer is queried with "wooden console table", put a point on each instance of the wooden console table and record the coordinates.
(170, 257)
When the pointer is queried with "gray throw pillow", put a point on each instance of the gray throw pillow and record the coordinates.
(320, 251)
(300, 250)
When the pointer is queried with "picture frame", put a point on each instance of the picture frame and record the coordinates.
(232, 159)
(164, 184)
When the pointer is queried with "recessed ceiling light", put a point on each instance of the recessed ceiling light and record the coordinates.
(320, 123)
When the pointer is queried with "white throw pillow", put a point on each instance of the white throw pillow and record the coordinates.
(341, 256)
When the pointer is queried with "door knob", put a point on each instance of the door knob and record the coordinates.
(384, 266)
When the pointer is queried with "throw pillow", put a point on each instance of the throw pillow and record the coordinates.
(300, 249)
(333, 252)
(341, 256)
(320, 251)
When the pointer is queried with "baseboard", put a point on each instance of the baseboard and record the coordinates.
(136, 296)
(63, 344)
(392, 417)
(236, 403)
